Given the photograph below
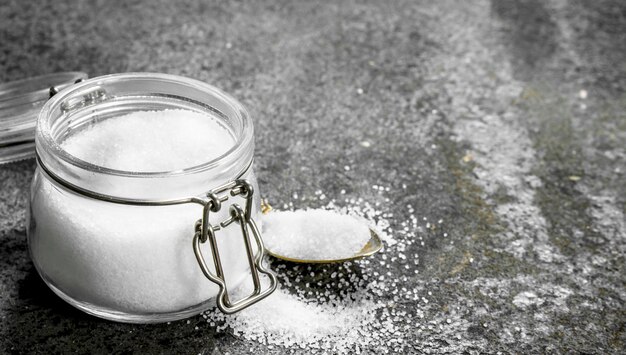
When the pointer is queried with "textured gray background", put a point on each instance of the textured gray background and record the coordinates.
(475, 115)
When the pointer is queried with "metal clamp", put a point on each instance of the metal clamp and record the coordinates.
(205, 231)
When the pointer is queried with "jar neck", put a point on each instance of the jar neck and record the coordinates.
(114, 95)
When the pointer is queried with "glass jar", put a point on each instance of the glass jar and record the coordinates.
(130, 245)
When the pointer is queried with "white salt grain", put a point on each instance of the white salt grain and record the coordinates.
(314, 234)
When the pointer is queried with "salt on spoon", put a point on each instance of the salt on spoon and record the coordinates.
(317, 236)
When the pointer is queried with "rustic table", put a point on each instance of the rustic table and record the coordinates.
(501, 124)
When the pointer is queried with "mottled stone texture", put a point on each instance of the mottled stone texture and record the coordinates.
(505, 119)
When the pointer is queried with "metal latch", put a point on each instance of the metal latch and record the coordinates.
(205, 231)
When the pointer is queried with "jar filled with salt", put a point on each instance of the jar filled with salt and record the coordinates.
(144, 200)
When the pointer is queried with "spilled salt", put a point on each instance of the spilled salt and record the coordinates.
(346, 308)
(314, 234)
(293, 321)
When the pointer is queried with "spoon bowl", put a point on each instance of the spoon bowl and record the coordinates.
(370, 248)
(373, 245)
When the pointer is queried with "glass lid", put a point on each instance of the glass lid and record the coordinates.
(20, 102)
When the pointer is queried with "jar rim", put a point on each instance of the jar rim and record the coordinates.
(243, 140)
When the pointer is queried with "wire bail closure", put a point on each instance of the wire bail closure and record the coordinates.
(205, 231)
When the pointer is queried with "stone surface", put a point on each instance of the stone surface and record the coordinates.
(504, 119)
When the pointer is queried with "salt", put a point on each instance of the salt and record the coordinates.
(133, 259)
(148, 141)
(292, 320)
(314, 234)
